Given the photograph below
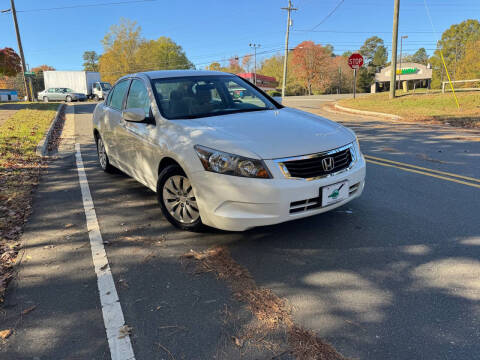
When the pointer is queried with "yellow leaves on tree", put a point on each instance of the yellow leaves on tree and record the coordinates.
(126, 52)
(469, 67)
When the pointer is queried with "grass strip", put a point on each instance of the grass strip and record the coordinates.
(430, 108)
(19, 173)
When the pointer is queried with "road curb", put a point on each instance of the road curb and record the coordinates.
(43, 144)
(370, 113)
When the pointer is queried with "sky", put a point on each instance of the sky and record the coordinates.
(211, 30)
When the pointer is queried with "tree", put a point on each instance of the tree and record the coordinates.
(469, 66)
(10, 63)
(215, 66)
(90, 61)
(453, 46)
(42, 68)
(311, 64)
(247, 62)
(375, 55)
(341, 76)
(420, 56)
(161, 54)
(233, 66)
(374, 51)
(120, 45)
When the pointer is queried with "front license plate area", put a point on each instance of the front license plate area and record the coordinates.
(334, 193)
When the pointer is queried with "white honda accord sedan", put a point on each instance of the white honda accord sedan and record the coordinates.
(220, 152)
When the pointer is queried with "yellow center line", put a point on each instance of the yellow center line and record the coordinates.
(424, 173)
(422, 168)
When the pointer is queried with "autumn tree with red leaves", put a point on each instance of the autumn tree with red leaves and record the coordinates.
(312, 65)
(10, 63)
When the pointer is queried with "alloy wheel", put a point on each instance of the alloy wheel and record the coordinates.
(102, 154)
(179, 199)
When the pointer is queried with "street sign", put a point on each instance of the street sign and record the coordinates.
(29, 73)
(355, 61)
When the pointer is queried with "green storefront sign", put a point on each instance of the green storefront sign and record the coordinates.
(407, 71)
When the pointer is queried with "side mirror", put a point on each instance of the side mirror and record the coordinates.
(134, 115)
(278, 99)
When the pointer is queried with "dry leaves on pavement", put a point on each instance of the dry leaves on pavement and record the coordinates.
(272, 311)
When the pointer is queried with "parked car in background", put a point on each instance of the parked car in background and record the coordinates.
(82, 82)
(60, 94)
(227, 162)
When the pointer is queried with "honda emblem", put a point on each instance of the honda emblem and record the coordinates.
(328, 163)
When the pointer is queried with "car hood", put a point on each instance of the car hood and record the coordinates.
(269, 134)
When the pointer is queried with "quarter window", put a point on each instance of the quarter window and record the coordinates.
(116, 100)
(138, 97)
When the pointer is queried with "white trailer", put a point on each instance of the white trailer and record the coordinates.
(83, 82)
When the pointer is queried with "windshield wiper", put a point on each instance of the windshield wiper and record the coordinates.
(218, 113)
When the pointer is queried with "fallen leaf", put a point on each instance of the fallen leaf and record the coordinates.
(5, 333)
(104, 267)
(237, 341)
(29, 310)
(124, 331)
(67, 226)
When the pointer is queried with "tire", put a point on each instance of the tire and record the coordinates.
(45, 99)
(96, 98)
(103, 157)
(68, 99)
(176, 199)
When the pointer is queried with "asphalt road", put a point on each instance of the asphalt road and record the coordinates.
(392, 275)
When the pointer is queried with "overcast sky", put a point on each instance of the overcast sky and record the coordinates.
(215, 30)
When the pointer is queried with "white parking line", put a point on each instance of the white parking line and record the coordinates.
(117, 333)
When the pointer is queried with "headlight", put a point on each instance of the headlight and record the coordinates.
(356, 147)
(230, 164)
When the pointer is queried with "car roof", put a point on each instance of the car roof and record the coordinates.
(161, 74)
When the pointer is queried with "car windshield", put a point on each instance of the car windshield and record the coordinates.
(202, 96)
(105, 86)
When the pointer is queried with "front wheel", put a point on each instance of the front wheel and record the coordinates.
(177, 200)
(45, 99)
(96, 98)
(103, 157)
(69, 99)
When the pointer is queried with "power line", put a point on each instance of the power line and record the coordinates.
(329, 14)
(88, 5)
(361, 32)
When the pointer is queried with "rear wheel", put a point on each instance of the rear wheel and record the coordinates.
(45, 99)
(103, 157)
(177, 200)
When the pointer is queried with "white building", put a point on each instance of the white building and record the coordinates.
(410, 75)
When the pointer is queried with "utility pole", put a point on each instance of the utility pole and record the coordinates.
(20, 48)
(393, 77)
(255, 46)
(285, 59)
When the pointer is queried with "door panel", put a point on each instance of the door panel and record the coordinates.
(114, 123)
(140, 150)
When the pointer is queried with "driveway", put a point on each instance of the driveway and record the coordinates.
(391, 275)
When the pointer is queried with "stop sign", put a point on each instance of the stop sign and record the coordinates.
(355, 61)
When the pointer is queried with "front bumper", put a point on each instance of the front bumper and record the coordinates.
(237, 204)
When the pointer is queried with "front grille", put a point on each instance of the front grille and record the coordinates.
(311, 166)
